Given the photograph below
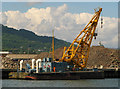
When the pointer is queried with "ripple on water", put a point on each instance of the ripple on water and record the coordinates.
(61, 83)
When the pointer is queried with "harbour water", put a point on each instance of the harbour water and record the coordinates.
(61, 83)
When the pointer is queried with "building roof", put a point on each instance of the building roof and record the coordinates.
(21, 56)
(4, 52)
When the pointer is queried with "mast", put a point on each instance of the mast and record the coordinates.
(53, 45)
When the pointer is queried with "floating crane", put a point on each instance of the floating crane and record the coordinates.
(78, 52)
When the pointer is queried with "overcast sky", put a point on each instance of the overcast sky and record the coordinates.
(66, 18)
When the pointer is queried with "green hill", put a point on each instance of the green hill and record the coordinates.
(24, 41)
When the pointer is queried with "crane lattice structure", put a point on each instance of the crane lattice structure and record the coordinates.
(78, 55)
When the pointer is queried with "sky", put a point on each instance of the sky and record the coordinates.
(109, 8)
(66, 18)
(60, 0)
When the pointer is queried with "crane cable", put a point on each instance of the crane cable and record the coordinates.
(101, 28)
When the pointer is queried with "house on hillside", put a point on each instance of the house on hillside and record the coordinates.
(4, 53)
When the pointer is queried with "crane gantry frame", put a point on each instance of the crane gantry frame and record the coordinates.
(78, 55)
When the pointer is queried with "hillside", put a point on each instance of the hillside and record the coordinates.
(24, 41)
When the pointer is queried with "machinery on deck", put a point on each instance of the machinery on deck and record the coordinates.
(78, 52)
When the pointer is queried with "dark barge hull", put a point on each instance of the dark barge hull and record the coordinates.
(4, 73)
(75, 75)
(69, 75)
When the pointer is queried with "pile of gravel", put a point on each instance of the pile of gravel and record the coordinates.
(98, 56)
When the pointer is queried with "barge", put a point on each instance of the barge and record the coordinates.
(72, 75)
(75, 75)
(69, 75)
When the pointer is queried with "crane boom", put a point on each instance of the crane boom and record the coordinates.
(78, 51)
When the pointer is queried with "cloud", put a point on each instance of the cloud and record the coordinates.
(66, 25)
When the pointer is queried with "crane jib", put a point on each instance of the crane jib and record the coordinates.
(78, 52)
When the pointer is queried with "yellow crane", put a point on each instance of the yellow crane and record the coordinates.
(78, 51)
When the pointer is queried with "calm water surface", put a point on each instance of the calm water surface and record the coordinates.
(62, 83)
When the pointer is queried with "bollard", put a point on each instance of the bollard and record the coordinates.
(33, 61)
(21, 62)
(38, 64)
